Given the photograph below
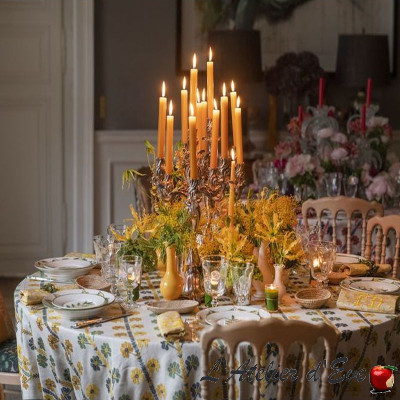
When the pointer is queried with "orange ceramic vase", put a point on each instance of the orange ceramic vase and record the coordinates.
(171, 284)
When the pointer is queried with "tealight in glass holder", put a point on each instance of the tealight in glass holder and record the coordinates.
(131, 277)
(271, 298)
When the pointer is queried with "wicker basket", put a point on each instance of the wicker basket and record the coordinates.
(93, 281)
(313, 298)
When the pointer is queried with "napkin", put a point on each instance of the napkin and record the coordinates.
(32, 296)
(380, 303)
(171, 325)
(364, 269)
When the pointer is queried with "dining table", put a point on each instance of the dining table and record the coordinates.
(128, 358)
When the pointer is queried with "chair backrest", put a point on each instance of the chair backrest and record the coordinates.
(384, 224)
(258, 334)
(342, 203)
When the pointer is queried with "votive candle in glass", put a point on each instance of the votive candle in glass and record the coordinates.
(271, 298)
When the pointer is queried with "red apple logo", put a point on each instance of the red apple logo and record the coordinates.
(382, 378)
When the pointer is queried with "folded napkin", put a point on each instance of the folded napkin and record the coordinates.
(380, 303)
(32, 296)
(171, 325)
(362, 269)
(336, 277)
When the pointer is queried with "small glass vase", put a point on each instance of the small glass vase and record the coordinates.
(351, 186)
(333, 182)
(278, 281)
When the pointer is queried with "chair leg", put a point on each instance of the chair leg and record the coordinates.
(1, 392)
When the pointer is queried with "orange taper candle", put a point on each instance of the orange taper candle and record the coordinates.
(169, 146)
(184, 111)
(210, 85)
(224, 123)
(238, 127)
(162, 113)
(233, 96)
(231, 206)
(214, 137)
(192, 144)
(193, 82)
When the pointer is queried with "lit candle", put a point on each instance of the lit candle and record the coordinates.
(184, 111)
(369, 91)
(210, 84)
(271, 298)
(214, 137)
(224, 123)
(363, 119)
(199, 120)
(233, 96)
(231, 205)
(193, 81)
(321, 92)
(203, 125)
(162, 113)
(170, 141)
(238, 126)
(192, 143)
(214, 278)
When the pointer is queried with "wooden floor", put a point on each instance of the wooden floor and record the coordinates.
(7, 287)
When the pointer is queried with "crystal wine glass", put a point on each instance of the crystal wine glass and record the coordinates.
(214, 271)
(322, 257)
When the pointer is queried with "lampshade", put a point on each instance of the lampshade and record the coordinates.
(238, 53)
(360, 57)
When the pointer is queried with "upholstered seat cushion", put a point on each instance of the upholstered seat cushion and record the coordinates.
(8, 356)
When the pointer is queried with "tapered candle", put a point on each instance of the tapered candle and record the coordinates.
(192, 144)
(193, 82)
(231, 205)
(214, 137)
(203, 125)
(210, 85)
(300, 115)
(184, 111)
(224, 123)
(199, 120)
(238, 127)
(321, 92)
(363, 119)
(369, 91)
(169, 145)
(233, 96)
(162, 114)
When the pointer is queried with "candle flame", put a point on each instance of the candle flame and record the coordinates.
(198, 95)
(194, 60)
(271, 286)
(184, 83)
(163, 89)
(170, 107)
(215, 104)
(191, 109)
(233, 154)
(232, 86)
(238, 102)
(316, 263)
(210, 55)
(224, 89)
(203, 95)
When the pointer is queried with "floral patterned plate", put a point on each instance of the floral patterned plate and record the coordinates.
(371, 285)
(65, 268)
(258, 312)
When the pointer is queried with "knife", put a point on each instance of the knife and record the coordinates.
(42, 279)
(89, 322)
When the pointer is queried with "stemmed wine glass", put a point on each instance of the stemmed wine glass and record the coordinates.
(322, 257)
(131, 276)
(214, 270)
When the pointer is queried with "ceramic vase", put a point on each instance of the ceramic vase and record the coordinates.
(171, 284)
(279, 280)
(264, 264)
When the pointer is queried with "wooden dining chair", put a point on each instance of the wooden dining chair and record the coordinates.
(384, 225)
(349, 205)
(8, 353)
(258, 334)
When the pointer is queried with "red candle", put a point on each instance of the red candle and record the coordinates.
(363, 122)
(300, 115)
(369, 90)
(321, 92)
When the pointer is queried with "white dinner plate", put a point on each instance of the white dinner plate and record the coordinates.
(228, 317)
(65, 268)
(371, 285)
(342, 258)
(259, 312)
(81, 301)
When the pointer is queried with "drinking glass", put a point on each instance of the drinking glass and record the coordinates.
(214, 271)
(242, 274)
(119, 229)
(322, 257)
(131, 277)
(111, 269)
(100, 244)
(351, 186)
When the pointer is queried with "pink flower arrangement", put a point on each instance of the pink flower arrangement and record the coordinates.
(299, 165)
(339, 154)
(325, 133)
(284, 149)
(380, 186)
(339, 137)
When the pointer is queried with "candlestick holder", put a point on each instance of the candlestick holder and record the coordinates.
(240, 177)
(224, 172)
(158, 177)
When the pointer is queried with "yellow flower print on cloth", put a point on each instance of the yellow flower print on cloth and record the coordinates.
(137, 376)
(126, 349)
(92, 391)
(153, 365)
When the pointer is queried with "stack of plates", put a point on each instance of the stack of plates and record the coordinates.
(371, 285)
(225, 315)
(78, 303)
(65, 268)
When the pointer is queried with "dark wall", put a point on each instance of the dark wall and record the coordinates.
(135, 51)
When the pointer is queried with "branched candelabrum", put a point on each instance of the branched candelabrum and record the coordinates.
(240, 179)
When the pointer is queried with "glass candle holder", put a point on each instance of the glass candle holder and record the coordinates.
(271, 298)
(131, 276)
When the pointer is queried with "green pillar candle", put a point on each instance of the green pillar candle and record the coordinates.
(271, 298)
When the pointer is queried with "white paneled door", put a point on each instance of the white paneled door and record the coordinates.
(31, 191)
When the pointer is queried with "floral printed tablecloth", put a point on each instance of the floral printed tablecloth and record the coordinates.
(128, 359)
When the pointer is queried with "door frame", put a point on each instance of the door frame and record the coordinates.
(78, 20)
